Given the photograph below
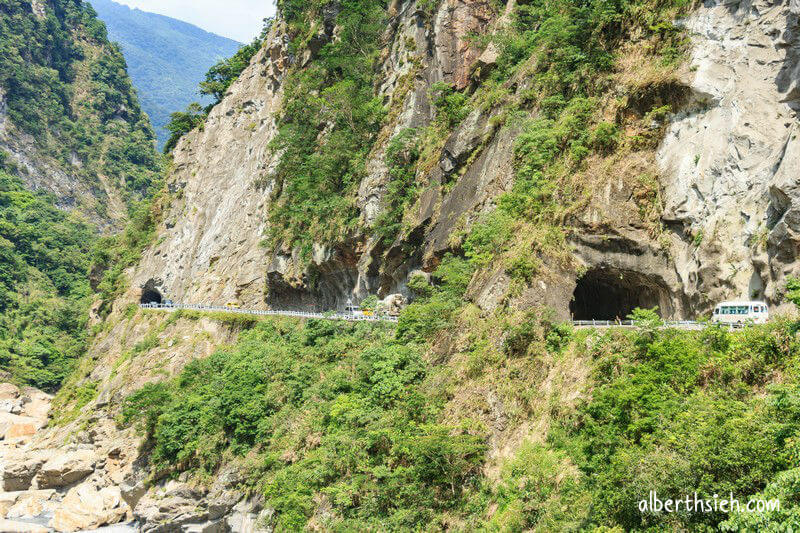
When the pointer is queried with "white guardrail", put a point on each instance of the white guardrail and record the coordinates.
(257, 312)
(630, 323)
(681, 324)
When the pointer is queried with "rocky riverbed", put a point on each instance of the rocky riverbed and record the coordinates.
(50, 489)
(85, 476)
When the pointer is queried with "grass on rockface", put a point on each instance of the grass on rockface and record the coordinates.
(320, 168)
(590, 86)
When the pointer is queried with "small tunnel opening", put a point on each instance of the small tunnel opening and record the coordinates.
(151, 296)
(611, 294)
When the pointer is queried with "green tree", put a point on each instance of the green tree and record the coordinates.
(793, 290)
(182, 122)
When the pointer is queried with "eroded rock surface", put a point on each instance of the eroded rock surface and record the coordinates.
(730, 157)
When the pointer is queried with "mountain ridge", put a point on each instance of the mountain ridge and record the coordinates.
(166, 57)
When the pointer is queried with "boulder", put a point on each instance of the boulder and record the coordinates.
(14, 426)
(18, 475)
(178, 506)
(174, 503)
(10, 406)
(65, 469)
(21, 430)
(212, 526)
(7, 501)
(31, 503)
(249, 516)
(37, 404)
(8, 391)
(392, 304)
(87, 507)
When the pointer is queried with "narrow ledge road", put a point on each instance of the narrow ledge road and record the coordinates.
(333, 315)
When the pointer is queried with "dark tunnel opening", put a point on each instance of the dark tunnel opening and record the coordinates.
(611, 294)
(151, 296)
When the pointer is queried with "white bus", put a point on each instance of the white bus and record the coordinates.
(741, 313)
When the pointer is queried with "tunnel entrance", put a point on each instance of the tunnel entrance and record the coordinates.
(150, 295)
(610, 294)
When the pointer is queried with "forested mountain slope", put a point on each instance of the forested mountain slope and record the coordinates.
(44, 290)
(70, 121)
(503, 166)
(167, 58)
(77, 158)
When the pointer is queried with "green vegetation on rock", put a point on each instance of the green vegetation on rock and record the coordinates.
(44, 290)
(331, 409)
(361, 418)
(67, 86)
(566, 52)
(112, 254)
(319, 171)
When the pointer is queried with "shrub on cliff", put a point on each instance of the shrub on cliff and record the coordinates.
(333, 409)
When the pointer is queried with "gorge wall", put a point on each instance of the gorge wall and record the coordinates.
(70, 122)
(727, 212)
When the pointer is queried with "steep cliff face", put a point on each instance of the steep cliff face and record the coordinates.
(723, 170)
(209, 250)
(222, 178)
(729, 158)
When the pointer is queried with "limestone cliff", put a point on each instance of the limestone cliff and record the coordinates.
(727, 213)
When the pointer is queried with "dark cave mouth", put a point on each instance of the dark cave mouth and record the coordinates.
(151, 296)
(609, 294)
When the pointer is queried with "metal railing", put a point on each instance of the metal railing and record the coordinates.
(680, 324)
(331, 315)
(334, 315)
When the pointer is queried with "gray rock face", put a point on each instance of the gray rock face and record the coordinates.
(727, 173)
(210, 251)
(65, 469)
(19, 475)
(175, 506)
(730, 160)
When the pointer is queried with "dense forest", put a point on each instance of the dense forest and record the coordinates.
(44, 288)
(68, 87)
